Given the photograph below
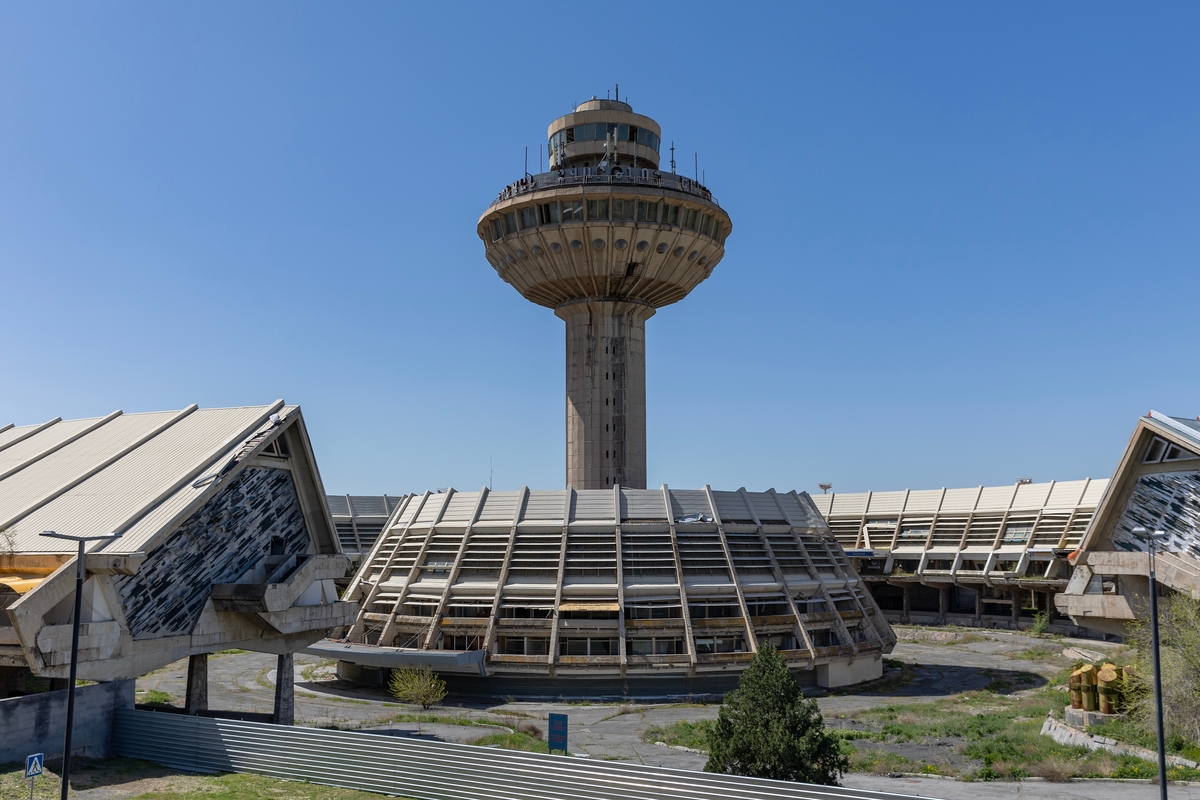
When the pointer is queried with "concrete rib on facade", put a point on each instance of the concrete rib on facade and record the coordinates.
(225, 539)
(618, 582)
(990, 555)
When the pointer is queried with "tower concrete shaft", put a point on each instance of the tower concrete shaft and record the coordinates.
(604, 239)
(606, 391)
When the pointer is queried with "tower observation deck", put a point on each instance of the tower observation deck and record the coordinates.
(605, 238)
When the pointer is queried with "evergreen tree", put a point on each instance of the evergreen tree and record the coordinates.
(768, 729)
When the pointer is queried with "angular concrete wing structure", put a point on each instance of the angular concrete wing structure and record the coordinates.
(619, 584)
(226, 540)
(1156, 487)
(984, 555)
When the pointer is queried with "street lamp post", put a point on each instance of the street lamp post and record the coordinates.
(1154, 538)
(80, 540)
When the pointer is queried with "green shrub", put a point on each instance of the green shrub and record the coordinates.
(420, 686)
(768, 729)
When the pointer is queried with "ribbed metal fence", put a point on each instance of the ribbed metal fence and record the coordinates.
(427, 770)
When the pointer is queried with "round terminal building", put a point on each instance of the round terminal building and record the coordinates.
(618, 592)
(607, 588)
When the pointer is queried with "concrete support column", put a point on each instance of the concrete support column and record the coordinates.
(943, 602)
(606, 392)
(196, 699)
(285, 690)
(979, 605)
(1016, 608)
(907, 603)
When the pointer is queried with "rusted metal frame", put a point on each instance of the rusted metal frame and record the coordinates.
(568, 504)
(683, 601)
(620, 580)
(737, 584)
(390, 626)
(779, 576)
(360, 623)
(435, 626)
(812, 570)
(490, 636)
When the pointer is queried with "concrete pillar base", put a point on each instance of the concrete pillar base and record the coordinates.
(285, 690)
(197, 685)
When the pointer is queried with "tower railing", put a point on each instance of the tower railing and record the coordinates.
(563, 178)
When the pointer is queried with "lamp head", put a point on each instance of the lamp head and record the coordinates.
(91, 538)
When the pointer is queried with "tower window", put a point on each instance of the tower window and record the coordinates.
(670, 214)
(510, 222)
(597, 209)
(570, 132)
(633, 133)
(705, 224)
(647, 212)
(716, 234)
(572, 210)
(689, 218)
(528, 218)
(622, 209)
(497, 230)
(548, 213)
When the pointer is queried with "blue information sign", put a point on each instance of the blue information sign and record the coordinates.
(33, 765)
(557, 736)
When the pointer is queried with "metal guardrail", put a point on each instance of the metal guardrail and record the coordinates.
(428, 770)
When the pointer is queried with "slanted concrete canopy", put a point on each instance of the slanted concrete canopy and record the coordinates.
(1156, 487)
(619, 582)
(226, 540)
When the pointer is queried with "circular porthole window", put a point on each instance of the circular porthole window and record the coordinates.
(537, 250)
(576, 244)
(692, 255)
(620, 244)
(678, 251)
(521, 254)
(662, 248)
(555, 247)
(598, 244)
(643, 246)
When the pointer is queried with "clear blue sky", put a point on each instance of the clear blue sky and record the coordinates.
(965, 243)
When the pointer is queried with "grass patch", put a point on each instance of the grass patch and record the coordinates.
(517, 740)
(992, 736)
(309, 673)
(164, 784)
(153, 697)
(1039, 653)
(681, 733)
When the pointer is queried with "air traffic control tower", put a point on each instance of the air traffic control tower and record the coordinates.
(605, 238)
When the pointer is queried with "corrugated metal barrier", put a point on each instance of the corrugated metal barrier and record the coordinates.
(427, 770)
